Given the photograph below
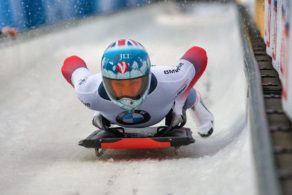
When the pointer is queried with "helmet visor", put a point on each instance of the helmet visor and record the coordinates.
(126, 88)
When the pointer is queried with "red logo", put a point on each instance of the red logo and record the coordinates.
(122, 67)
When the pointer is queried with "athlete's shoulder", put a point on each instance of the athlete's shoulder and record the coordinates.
(170, 73)
(162, 72)
(88, 84)
(88, 91)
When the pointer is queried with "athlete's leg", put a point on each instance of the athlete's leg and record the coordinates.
(203, 117)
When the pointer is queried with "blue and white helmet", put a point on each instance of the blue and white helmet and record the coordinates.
(125, 68)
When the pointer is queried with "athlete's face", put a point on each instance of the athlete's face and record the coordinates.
(126, 88)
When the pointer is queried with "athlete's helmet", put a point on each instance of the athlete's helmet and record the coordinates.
(125, 68)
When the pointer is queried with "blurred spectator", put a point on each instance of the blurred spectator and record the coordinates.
(8, 32)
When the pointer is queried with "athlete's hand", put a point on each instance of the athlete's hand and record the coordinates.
(100, 122)
(177, 120)
(97, 121)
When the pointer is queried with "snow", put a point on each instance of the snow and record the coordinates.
(42, 120)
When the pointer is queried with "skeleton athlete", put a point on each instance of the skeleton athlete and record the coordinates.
(130, 92)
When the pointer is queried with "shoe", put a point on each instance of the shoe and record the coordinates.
(207, 134)
(203, 118)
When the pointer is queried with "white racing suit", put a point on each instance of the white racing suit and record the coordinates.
(171, 89)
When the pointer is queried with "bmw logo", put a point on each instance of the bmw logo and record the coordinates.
(133, 118)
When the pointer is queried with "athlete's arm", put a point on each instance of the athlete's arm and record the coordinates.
(85, 84)
(74, 69)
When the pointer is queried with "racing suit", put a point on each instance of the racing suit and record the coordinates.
(171, 89)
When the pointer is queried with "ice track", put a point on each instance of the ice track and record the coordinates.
(42, 120)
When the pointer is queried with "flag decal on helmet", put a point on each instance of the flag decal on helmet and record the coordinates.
(122, 67)
(125, 42)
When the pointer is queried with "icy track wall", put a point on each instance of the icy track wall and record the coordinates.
(262, 149)
(42, 120)
(27, 14)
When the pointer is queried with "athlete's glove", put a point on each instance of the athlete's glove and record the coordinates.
(100, 122)
(177, 120)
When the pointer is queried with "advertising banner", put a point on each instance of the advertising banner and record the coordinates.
(277, 34)
(260, 15)
(286, 59)
(268, 22)
(30, 14)
(275, 29)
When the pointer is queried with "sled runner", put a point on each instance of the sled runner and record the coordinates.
(142, 138)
